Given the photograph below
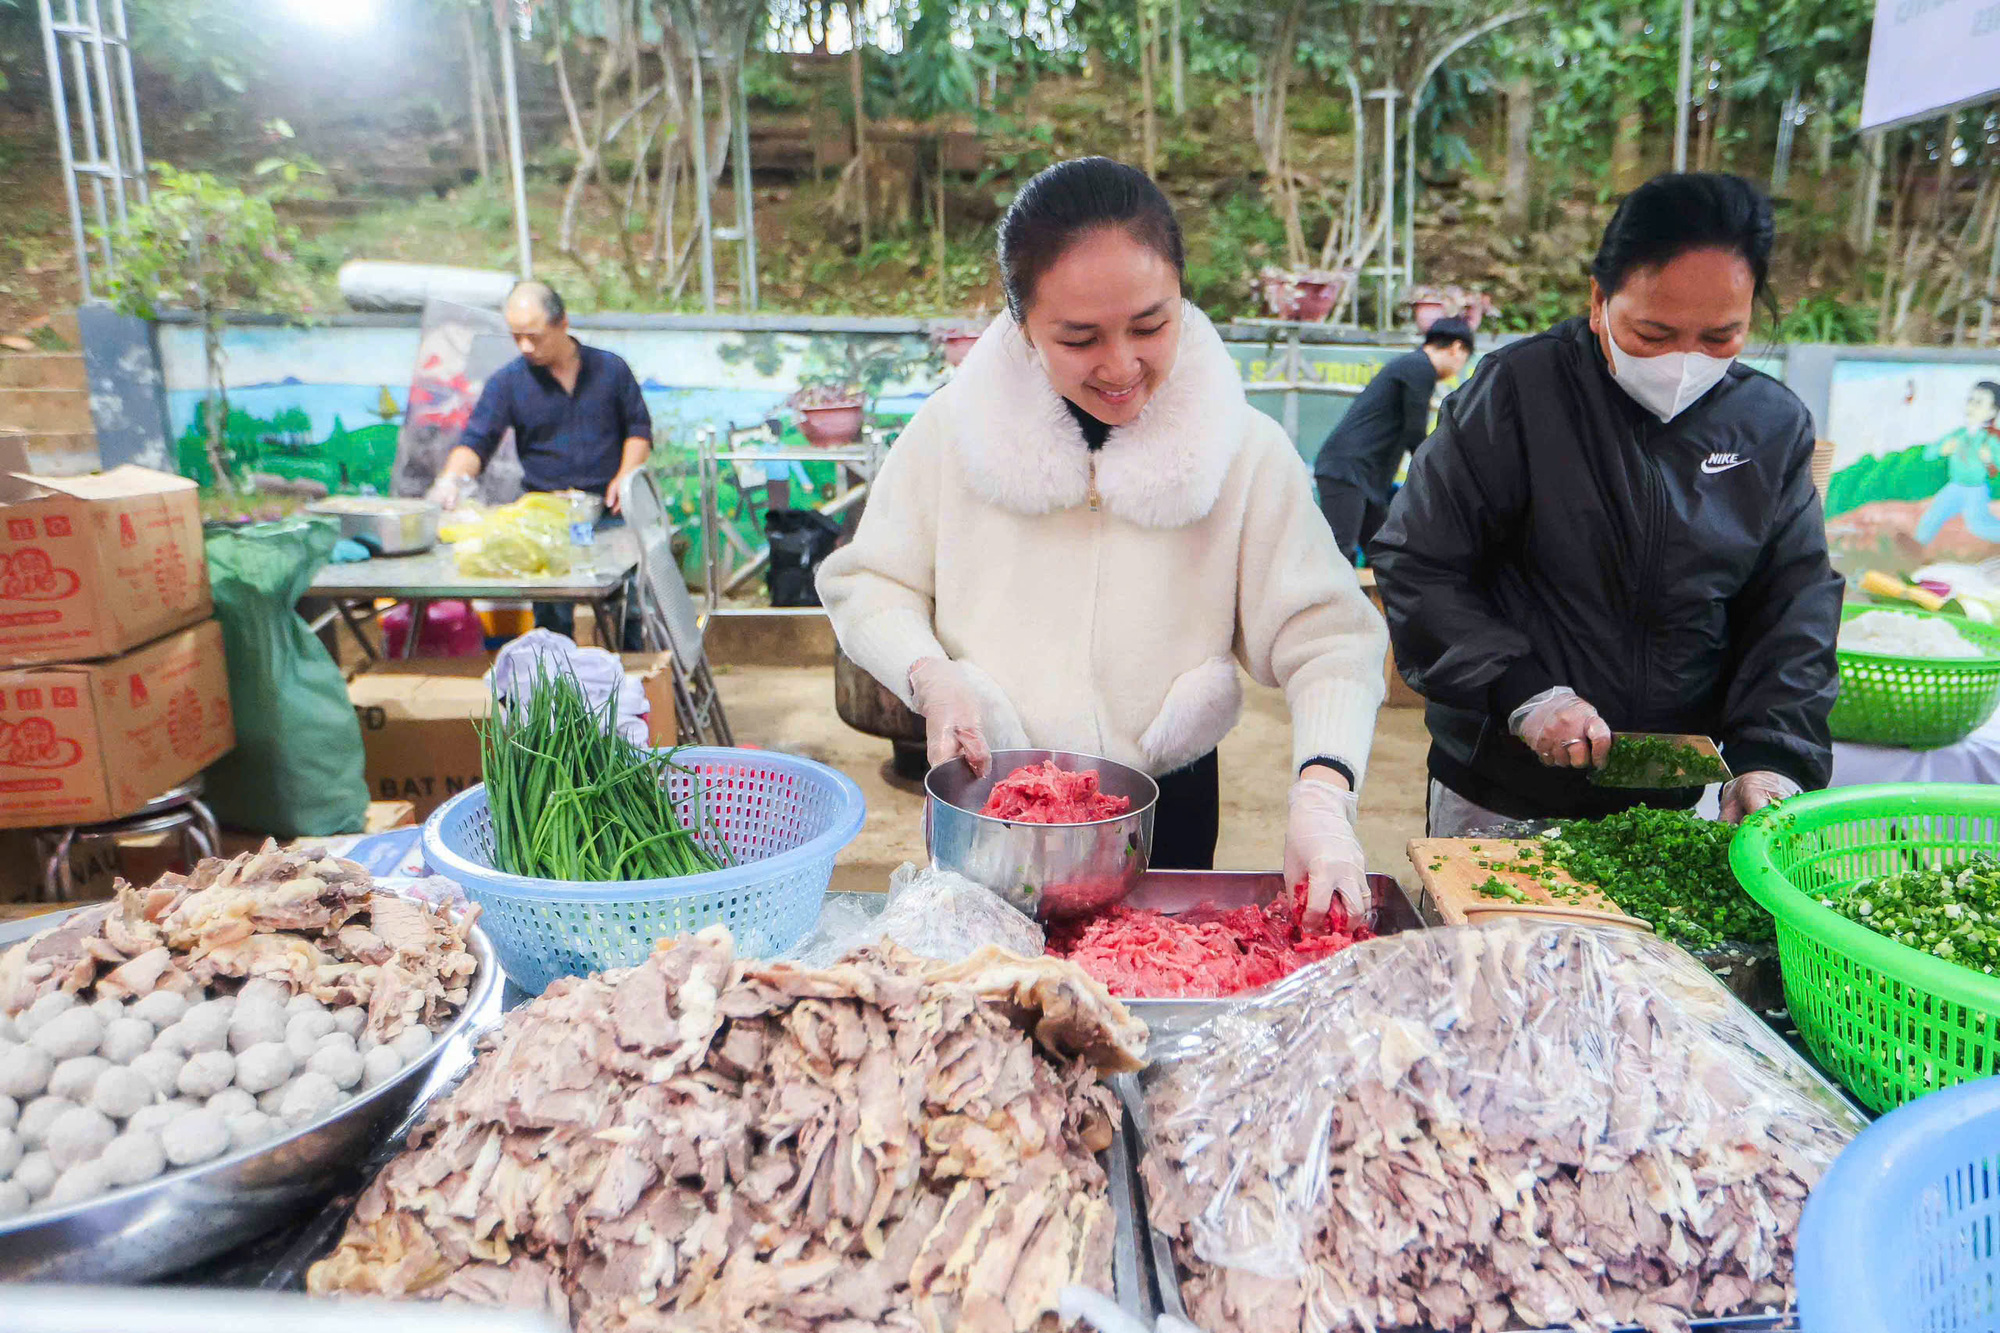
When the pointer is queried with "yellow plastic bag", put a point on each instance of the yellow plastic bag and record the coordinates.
(526, 539)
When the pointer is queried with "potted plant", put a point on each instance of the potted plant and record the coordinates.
(829, 412)
(1430, 304)
(1305, 295)
(953, 338)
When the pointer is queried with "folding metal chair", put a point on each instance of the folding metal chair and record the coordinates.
(668, 615)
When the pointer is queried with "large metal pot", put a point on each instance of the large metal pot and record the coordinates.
(1046, 870)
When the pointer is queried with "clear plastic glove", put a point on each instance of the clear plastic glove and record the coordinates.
(1322, 852)
(448, 490)
(950, 707)
(1747, 793)
(1562, 730)
(1097, 1311)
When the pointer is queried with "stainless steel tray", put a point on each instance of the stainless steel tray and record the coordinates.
(63, 1309)
(188, 1216)
(385, 525)
(1175, 891)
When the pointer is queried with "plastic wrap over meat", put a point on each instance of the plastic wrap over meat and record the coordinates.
(932, 913)
(1486, 1127)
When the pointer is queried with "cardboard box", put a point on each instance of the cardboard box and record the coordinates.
(83, 743)
(417, 725)
(92, 566)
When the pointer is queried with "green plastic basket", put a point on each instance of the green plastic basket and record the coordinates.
(1891, 1022)
(1920, 703)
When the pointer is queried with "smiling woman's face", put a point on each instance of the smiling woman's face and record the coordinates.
(1106, 318)
(1698, 301)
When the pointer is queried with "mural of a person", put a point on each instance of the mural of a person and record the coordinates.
(1970, 451)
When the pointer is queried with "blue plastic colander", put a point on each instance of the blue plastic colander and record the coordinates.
(1903, 1231)
(783, 820)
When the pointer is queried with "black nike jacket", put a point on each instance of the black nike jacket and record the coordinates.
(1553, 532)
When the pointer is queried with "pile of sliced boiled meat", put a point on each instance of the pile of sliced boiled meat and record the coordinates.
(1202, 953)
(1044, 794)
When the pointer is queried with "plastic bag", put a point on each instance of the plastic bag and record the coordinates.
(296, 771)
(597, 672)
(933, 913)
(526, 539)
(1519, 1125)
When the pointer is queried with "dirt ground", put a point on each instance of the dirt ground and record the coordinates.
(791, 709)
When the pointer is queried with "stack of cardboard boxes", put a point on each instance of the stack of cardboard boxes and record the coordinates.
(113, 688)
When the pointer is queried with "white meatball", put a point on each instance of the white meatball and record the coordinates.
(24, 1071)
(161, 1068)
(13, 1199)
(125, 1040)
(350, 1019)
(412, 1043)
(251, 1129)
(155, 1117)
(337, 1041)
(85, 1180)
(72, 1032)
(255, 1024)
(310, 1097)
(122, 1093)
(73, 1079)
(267, 991)
(37, 1116)
(36, 1174)
(213, 1011)
(232, 1101)
(163, 1008)
(42, 1010)
(380, 1065)
(265, 1066)
(170, 1039)
(303, 1004)
(196, 1136)
(207, 1073)
(78, 1135)
(204, 1029)
(310, 1024)
(108, 1010)
(270, 1101)
(12, 1150)
(133, 1157)
(10, 1112)
(342, 1065)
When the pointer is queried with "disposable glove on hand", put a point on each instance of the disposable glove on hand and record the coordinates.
(1563, 730)
(953, 726)
(447, 491)
(1748, 793)
(1322, 852)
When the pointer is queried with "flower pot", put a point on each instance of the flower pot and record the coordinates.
(832, 425)
(1473, 315)
(1314, 302)
(956, 345)
(1427, 313)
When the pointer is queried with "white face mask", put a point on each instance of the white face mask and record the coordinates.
(1668, 384)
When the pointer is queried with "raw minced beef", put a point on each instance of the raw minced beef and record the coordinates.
(1202, 953)
(1044, 794)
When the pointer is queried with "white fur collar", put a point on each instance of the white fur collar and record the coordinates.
(1022, 450)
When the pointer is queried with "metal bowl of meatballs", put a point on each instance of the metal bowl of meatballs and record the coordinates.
(178, 1216)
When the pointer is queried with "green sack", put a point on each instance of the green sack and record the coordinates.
(296, 771)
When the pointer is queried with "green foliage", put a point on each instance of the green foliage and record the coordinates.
(204, 246)
(1241, 235)
(936, 77)
(768, 84)
(1903, 475)
(1828, 319)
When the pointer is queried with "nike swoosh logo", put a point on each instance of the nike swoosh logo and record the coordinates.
(1711, 467)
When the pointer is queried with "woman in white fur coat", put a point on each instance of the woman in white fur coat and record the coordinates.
(1077, 541)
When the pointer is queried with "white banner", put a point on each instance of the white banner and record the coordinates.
(1928, 56)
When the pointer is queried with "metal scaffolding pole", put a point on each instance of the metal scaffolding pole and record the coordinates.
(746, 210)
(91, 92)
(101, 67)
(131, 101)
(503, 14)
(61, 108)
(703, 204)
(1682, 104)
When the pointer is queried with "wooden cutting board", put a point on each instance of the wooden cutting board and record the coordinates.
(1452, 869)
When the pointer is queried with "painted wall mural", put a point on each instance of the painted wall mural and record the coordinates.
(1916, 465)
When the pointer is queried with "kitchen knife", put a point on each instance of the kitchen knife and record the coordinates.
(1657, 760)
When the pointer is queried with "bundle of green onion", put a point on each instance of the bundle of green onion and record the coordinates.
(571, 799)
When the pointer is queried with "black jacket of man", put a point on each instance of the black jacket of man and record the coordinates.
(1387, 420)
(1553, 532)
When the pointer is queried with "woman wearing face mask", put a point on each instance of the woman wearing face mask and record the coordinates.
(1614, 529)
(1078, 539)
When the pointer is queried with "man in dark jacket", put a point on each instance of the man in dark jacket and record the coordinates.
(1555, 536)
(1357, 465)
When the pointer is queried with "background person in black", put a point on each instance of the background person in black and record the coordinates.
(1615, 529)
(579, 421)
(1357, 464)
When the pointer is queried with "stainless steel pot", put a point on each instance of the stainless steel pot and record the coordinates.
(191, 1215)
(1046, 870)
(385, 525)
